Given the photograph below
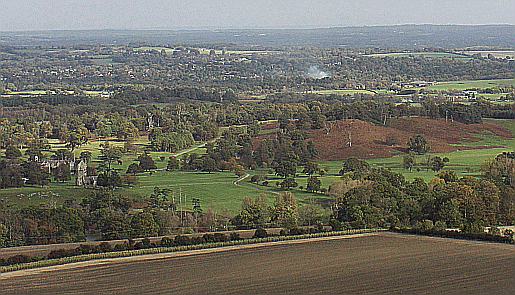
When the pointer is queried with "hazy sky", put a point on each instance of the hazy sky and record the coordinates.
(57, 15)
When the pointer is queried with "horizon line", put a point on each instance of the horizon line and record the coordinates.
(256, 28)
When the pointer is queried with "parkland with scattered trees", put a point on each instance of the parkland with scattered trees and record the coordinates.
(101, 134)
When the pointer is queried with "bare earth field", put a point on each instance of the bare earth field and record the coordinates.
(374, 263)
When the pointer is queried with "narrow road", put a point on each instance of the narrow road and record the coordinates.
(190, 150)
(237, 183)
(194, 148)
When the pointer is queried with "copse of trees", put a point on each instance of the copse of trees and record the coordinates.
(381, 198)
(170, 141)
(418, 144)
(256, 213)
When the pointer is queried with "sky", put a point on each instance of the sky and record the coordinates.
(88, 15)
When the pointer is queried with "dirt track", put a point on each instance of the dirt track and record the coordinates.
(377, 263)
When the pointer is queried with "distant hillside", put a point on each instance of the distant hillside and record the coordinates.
(395, 37)
(369, 141)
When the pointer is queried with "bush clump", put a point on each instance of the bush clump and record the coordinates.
(260, 233)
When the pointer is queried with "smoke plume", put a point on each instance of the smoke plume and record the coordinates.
(315, 73)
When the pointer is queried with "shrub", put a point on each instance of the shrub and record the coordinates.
(494, 230)
(196, 240)
(182, 240)
(139, 245)
(58, 254)
(208, 238)
(17, 259)
(146, 242)
(105, 247)
(297, 231)
(335, 225)
(440, 225)
(85, 249)
(234, 236)
(260, 233)
(320, 227)
(167, 242)
(121, 247)
(219, 237)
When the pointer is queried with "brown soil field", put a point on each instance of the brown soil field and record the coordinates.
(369, 141)
(373, 263)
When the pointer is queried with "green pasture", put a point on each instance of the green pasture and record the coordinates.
(34, 195)
(213, 189)
(149, 48)
(29, 93)
(26, 93)
(94, 93)
(301, 195)
(495, 53)
(465, 162)
(463, 85)
(343, 91)
(259, 97)
(241, 52)
(102, 61)
(424, 54)
(490, 96)
(202, 50)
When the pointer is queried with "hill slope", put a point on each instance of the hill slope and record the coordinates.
(369, 141)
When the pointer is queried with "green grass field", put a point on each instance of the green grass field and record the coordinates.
(343, 91)
(495, 53)
(148, 48)
(202, 50)
(463, 85)
(214, 190)
(424, 54)
(30, 93)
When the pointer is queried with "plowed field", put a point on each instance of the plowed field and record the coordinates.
(375, 263)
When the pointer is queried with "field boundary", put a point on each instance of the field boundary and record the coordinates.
(159, 250)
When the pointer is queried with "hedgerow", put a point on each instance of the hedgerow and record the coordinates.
(167, 245)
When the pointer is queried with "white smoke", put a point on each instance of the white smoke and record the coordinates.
(315, 73)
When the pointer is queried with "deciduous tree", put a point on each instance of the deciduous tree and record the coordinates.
(418, 144)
